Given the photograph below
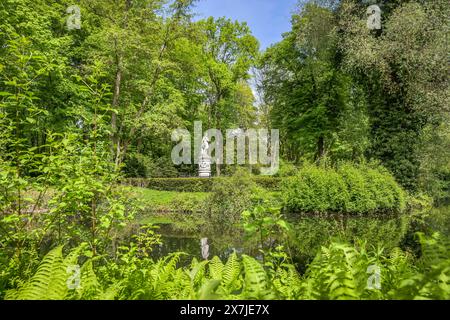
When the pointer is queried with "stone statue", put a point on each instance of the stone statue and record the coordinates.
(205, 147)
(204, 165)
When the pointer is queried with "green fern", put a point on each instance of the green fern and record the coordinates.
(334, 274)
(48, 283)
(256, 281)
(198, 272)
(339, 271)
(287, 282)
(432, 280)
(231, 272)
(216, 268)
(208, 290)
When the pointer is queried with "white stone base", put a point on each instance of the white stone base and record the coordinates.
(204, 168)
(204, 174)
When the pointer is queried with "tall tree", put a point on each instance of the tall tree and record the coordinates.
(309, 93)
(404, 70)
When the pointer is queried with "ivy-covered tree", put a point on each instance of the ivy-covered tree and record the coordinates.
(403, 68)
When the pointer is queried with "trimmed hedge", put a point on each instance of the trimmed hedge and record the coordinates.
(173, 184)
(347, 189)
(195, 184)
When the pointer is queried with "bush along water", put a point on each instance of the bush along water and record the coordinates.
(346, 203)
(348, 189)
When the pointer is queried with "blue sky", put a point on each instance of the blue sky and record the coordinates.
(267, 19)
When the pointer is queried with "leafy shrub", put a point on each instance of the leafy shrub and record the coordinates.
(347, 189)
(138, 165)
(385, 192)
(360, 200)
(145, 166)
(287, 169)
(315, 190)
(269, 183)
(265, 224)
(229, 197)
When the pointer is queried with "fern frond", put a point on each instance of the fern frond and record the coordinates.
(215, 268)
(197, 274)
(49, 281)
(231, 271)
(256, 282)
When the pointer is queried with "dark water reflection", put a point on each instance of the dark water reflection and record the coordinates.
(220, 244)
(310, 234)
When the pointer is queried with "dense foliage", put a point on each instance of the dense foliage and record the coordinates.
(336, 88)
(84, 109)
(347, 189)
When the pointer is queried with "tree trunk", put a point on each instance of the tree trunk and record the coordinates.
(320, 147)
(115, 104)
(217, 169)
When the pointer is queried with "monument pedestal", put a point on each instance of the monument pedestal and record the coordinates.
(204, 167)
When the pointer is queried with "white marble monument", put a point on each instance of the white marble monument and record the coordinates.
(204, 162)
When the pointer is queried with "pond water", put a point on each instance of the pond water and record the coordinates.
(221, 245)
(310, 232)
